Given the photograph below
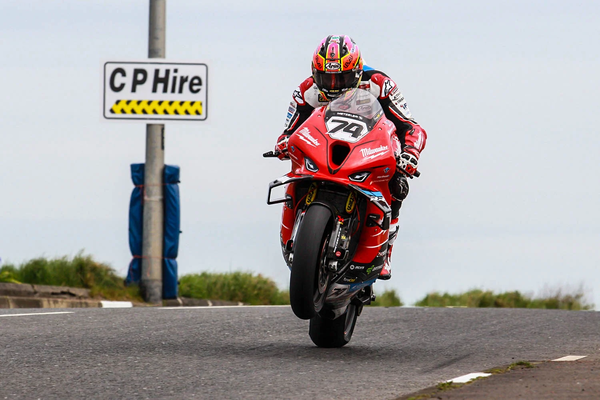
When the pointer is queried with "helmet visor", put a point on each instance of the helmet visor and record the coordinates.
(335, 82)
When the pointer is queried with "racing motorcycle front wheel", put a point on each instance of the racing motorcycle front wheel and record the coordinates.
(310, 275)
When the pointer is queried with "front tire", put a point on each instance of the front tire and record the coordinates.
(333, 333)
(310, 277)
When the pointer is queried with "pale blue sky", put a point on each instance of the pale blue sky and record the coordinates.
(508, 92)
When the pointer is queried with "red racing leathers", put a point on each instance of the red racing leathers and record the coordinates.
(307, 97)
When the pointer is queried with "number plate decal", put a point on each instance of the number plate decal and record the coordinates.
(346, 129)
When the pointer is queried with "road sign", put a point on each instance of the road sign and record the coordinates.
(155, 91)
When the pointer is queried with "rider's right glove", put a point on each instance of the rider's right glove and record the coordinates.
(407, 162)
(281, 148)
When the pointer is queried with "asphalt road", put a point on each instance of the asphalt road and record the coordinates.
(265, 352)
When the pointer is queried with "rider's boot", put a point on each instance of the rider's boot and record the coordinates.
(399, 190)
(386, 271)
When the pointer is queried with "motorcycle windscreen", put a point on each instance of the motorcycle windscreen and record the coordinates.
(352, 116)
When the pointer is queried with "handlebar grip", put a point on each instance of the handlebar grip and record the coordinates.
(269, 154)
(417, 174)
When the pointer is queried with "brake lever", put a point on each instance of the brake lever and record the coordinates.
(269, 154)
(415, 175)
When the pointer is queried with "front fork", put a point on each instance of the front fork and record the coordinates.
(288, 251)
(337, 249)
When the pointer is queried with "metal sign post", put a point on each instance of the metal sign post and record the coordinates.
(152, 242)
(154, 92)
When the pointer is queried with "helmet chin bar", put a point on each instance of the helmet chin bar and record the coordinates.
(329, 95)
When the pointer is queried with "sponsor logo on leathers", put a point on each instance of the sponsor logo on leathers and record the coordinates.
(290, 115)
(388, 85)
(399, 101)
(298, 97)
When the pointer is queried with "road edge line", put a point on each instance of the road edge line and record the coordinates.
(469, 377)
(569, 358)
(115, 304)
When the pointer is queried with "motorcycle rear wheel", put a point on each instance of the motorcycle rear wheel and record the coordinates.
(333, 333)
(310, 278)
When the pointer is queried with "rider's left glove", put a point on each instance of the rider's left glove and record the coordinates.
(407, 162)
(281, 148)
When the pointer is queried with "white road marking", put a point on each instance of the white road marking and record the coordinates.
(47, 313)
(469, 377)
(116, 304)
(570, 358)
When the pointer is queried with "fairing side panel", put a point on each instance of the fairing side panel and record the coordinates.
(372, 240)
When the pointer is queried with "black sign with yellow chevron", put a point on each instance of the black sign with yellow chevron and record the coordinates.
(157, 107)
(155, 91)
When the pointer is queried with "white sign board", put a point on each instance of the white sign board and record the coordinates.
(155, 91)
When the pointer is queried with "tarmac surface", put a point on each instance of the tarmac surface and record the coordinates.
(265, 352)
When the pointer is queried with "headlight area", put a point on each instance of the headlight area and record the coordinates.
(359, 176)
(310, 165)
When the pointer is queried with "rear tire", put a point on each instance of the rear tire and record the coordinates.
(310, 277)
(333, 333)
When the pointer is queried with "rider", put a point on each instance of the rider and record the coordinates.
(337, 66)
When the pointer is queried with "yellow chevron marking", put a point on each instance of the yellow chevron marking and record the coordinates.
(157, 107)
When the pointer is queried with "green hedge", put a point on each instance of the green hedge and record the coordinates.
(244, 287)
(480, 298)
(81, 271)
(389, 298)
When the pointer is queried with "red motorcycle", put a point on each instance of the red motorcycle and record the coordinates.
(336, 212)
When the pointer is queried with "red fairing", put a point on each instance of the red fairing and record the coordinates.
(374, 153)
(311, 140)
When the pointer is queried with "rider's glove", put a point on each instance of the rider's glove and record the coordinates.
(281, 148)
(407, 162)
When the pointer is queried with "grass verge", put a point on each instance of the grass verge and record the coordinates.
(437, 391)
(81, 271)
(244, 287)
(389, 298)
(515, 365)
(558, 299)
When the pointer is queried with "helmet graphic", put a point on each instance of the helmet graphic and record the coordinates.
(337, 65)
